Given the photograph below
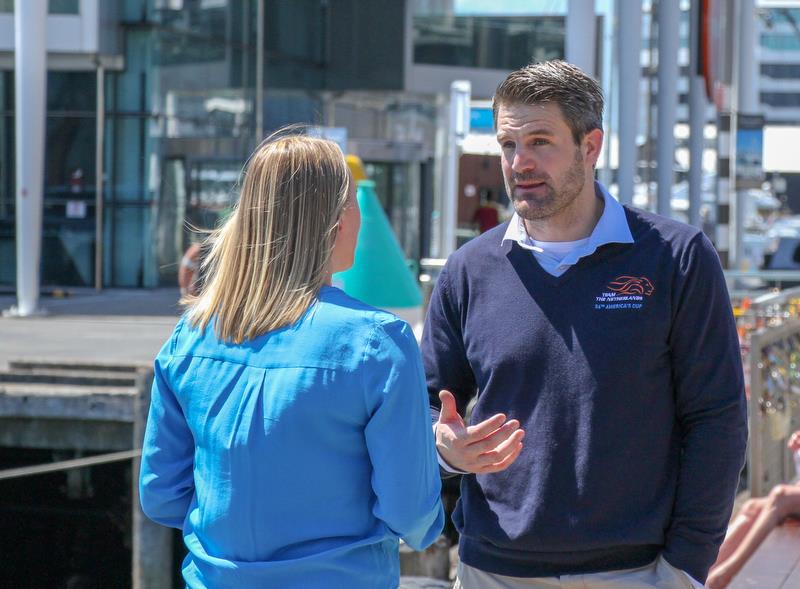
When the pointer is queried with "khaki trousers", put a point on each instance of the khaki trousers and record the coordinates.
(657, 575)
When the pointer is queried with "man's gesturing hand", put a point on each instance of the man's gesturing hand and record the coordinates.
(489, 446)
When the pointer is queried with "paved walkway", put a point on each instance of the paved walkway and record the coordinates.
(112, 326)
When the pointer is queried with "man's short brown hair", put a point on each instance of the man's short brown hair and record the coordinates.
(577, 94)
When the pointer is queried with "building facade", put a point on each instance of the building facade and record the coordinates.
(171, 85)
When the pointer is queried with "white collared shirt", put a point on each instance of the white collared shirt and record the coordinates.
(556, 257)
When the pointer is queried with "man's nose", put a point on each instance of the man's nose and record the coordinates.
(523, 161)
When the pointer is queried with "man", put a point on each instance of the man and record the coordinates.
(604, 337)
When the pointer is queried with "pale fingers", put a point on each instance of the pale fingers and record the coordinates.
(503, 464)
(494, 439)
(484, 428)
(501, 451)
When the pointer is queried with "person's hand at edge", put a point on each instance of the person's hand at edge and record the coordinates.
(490, 446)
(794, 442)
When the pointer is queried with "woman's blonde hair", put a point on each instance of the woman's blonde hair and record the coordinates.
(270, 259)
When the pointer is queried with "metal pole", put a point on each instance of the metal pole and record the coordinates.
(629, 47)
(756, 466)
(98, 182)
(669, 16)
(748, 79)
(580, 37)
(259, 72)
(457, 129)
(746, 96)
(30, 78)
(697, 117)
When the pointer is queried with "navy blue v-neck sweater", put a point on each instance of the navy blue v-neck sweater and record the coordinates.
(625, 373)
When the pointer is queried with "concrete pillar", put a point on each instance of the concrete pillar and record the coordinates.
(30, 93)
(747, 83)
(746, 96)
(457, 129)
(580, 37)
(697, 117)
(669, 14)
(151, 566)
(629, 47)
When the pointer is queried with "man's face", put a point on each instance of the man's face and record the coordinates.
(543, 169)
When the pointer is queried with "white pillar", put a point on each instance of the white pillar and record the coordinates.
(747, 90)
(457, 129)
(30, 78)
(629, 48)
(746, 87)
(669, 16)
(697, 117)
(580, 41)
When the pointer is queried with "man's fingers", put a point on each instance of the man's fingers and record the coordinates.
(503, 464)
(486, 427)
(494, 439)
(449, 411)
(500, 452)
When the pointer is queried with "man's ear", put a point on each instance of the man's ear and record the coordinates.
(592, 145)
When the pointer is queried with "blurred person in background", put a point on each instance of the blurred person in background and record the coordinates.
(289, 436)
(487, 215)
(756, 519)
(189, 270)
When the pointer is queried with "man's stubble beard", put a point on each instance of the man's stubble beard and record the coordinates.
(557, 198)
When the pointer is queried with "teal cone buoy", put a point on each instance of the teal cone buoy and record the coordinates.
(379, 275)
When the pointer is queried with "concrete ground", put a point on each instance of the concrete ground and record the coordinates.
(116, 325)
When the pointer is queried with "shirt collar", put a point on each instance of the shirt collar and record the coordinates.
(612, 227)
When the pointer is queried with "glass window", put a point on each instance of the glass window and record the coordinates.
(789, 16)
(64, 7)
(72, 91)
(7, 196)
(69, 194)
(780, 99)
(783, 71)
(780, 42)
(54, 6)
(497, 42)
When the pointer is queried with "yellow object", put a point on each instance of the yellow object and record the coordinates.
(356, 167)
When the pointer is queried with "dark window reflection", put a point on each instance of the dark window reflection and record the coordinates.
(72, 91)
(495, 42)
(63, 6)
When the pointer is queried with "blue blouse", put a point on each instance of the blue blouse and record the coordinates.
(296, 459)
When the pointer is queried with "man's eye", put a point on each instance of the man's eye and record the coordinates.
(507, 145)
(540, 142)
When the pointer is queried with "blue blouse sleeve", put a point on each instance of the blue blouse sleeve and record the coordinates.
(399, 437)
(166, 479)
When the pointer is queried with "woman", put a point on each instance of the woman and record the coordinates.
(289, 435)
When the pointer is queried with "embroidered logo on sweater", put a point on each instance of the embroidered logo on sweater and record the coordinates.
(631, 285)
(625, 292)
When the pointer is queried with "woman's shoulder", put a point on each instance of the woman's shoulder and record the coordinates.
(337, 308)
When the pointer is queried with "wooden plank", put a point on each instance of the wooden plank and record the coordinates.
(793, 580)
(776, 563)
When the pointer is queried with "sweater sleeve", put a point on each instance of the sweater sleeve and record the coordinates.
(166, 479)
(711, 410)
(399, 438)
(443, 349)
